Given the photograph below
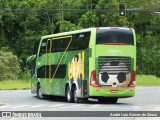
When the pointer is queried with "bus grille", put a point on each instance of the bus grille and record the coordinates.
(114, 70)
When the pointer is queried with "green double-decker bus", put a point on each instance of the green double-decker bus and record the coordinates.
(95, 63)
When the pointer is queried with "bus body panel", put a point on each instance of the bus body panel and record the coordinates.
(111, 92)
(77, 65)
(112, 51)
(75, 72)
(33, 85)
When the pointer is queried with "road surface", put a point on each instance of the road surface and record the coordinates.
(146, 99)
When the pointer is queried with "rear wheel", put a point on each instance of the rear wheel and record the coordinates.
(39, 92)
(76, 99)
(108, 100)
(69, 95)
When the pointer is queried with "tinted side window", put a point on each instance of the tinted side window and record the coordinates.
(61, 71)
(59, 45)
(33, 65)
(43, 47)
(48, 45)
(79, 41)
(43, 72)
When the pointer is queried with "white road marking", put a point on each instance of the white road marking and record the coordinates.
(156, 108)
(20, 106)
(135, 106)
(95, 105)
(58, 105)
(38, 105)
(77, 105)
(3, 106)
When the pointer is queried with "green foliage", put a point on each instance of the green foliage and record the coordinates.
(9, 66)
(15, 85)
(147, 80)
(148, 59)
(21, 25)
(67, 26)
(89, 19)
(25, 74)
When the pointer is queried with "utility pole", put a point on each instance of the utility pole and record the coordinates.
(89, 7)
(61, 13)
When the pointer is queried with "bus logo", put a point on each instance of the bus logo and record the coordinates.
(115, 51)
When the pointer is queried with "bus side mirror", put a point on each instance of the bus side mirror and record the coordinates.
(30, 60)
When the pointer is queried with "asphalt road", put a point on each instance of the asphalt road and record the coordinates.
(146, 99)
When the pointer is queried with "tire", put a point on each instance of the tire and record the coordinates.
(69, 95)
(78, 100)
(39, 92)
(108, 100)
(75, 98)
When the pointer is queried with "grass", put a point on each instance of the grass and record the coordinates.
(142, 80)
(15, 85)
(147, 80)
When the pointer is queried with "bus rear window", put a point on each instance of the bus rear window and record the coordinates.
(114, 36)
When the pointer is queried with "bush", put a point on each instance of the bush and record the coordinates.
(25, 74)
(9, 66)
(148, 56)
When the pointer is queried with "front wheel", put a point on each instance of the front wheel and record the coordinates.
(39, 92)
(69, 95)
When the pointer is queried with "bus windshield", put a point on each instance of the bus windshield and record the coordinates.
(114, 36)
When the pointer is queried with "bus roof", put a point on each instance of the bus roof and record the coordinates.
(82, 30)
(66, 33)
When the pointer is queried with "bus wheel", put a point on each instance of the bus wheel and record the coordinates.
(108, 100)
(69, 95)
(39, 92)
(76, 99)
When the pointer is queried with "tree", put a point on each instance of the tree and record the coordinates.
(67, 26)
(21, 24)
(9, 66)
(89, 19)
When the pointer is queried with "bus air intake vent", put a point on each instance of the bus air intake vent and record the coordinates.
(114, 71)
